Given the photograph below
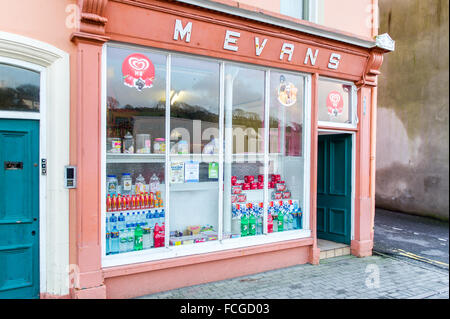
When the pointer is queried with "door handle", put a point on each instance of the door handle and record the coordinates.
(33, 233)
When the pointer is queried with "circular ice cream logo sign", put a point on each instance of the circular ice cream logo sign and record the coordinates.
(287, 92)
(335, 104)
(138, 71)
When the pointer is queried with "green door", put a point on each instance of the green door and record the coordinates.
(334, 188)
(19, 209)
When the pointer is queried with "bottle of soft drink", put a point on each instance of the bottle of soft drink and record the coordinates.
(274, 213)
(259, 222)
(244, 225)
(156, 235)
(138, 240)
(114, 240)
(108, 236)
(270, 223)
(280, 221)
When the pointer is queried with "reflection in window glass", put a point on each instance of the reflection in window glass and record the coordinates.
(334, 102)
(19, 89)
(244, 149)
(194, 150)
(135, 148)
(286, 163)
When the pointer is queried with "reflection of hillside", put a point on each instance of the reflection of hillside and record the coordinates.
(24, 97)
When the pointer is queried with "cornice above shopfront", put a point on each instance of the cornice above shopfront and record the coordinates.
(92, 21)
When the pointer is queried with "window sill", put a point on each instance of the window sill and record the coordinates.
(176, 256)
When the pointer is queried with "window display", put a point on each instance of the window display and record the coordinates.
(335, 101)
(135, 193)
(230, 139)
(194, 124)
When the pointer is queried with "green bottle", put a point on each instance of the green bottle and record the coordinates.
(138, 237)
(244, 225)
(252, 225)
(280, 221)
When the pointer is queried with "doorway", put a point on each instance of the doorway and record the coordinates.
(334, 187)
(19, 209)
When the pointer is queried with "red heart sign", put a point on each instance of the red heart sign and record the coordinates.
(138, 71)
(335, 103)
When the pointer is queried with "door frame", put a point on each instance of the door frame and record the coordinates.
(353, 174)
(41, 117)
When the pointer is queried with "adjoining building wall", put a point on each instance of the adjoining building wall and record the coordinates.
(331, 13)
(413, 109)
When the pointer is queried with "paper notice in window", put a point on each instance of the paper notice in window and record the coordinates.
(191, 172)
(177, 172)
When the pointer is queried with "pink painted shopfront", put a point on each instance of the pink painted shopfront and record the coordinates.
(210, 145)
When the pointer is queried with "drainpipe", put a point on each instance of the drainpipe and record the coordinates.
(373, 144)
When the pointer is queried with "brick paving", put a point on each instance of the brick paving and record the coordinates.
(345, 277)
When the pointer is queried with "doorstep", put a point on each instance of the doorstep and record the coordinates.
(330, 249)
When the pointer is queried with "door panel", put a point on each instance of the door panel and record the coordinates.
(19, 209)
(334, 188)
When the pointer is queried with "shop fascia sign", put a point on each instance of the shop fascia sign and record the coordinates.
(231, 44)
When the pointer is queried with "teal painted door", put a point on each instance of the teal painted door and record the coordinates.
(334, 188)
(19, 209)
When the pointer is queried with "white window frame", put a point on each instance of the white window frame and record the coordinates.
(353, 106)
(167, 252)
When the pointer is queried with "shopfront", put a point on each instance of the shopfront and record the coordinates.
(198, 146)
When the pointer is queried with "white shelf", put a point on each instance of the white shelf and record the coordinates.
(205, 158)
(189, 187)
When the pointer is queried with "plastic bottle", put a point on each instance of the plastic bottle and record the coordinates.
(112, 221)
(280, 221)
(156, 217)
(154, 184)
(123, 241)
(274, 214)
(108, 236)
(156, 235)
(111, 185)
(128, 221)
(139, 185)
(236, 220)
(162, 217)
(270, 223)
(121, 222)
(259, 222)
(114, 240)
(126, 184)
(138, 240)
(130, 239)
(244, 225)
(252, 224)
(133, 220)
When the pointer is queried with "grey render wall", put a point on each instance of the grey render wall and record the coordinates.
(413, 109)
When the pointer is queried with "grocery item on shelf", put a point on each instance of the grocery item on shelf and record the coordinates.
(212, 147)
(128, 144)
(154, 184)
(159, 145)
(111, 185)
(143, 143)
(139, 185)
(127, 184)
(113, 145)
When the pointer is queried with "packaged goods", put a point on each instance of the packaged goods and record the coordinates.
(113, 145)
(159, 146)
(249, 178)
(128, 143)
(111, 185)
(143, 143)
